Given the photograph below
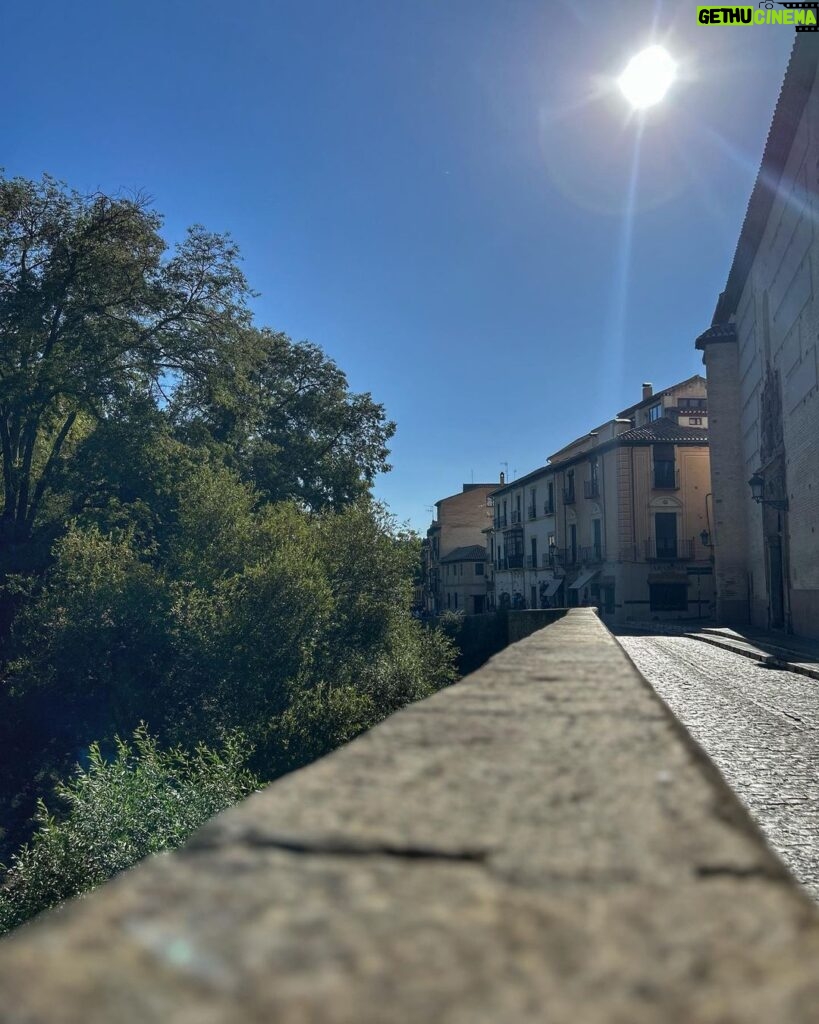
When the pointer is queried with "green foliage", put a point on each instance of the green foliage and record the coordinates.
(139, 802)
(284, 417)
(314, 723)
(94, 312)
(230, 609)
(187, 538)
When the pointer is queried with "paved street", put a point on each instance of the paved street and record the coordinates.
(760, 727)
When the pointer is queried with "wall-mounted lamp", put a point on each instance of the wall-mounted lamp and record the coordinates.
(757, 485)
(705, 537)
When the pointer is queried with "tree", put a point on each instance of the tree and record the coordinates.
(288, 421)
(93, 311)
(119, 810)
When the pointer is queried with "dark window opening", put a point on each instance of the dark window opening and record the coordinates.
(668, 597)
(665, 534)
(665, 472)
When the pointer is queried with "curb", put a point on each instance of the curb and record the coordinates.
(768, 660)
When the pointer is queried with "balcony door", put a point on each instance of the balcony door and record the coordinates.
(665, 534)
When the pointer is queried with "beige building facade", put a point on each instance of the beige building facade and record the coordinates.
(454, 552)
(762, 365)
(619, 518)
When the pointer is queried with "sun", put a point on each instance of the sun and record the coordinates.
(648, 77)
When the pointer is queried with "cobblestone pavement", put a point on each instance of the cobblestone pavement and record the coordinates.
(759, 726)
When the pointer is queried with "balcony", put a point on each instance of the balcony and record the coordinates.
(592, 554)
(568, 495)
(591, 489)
(548, 508)
(514, 561)
(666, 477)
(500, 522)
(531, 511)
(669, 550)
(517, 517)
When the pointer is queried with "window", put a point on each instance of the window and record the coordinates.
(695, 421)
(665, 533)
(591, 486)
(550, 497)
(597, 539)
(665, 476)
(455, 595)
(654, 413)
(692, 403)
(479, 568)
(668, 597)
(534, 552)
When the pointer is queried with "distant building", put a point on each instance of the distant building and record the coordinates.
(454, 569)
(761, 357)
(619, 518)
(463, 580)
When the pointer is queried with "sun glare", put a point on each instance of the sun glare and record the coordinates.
(648, 77)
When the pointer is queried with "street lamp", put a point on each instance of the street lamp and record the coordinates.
(757, 485)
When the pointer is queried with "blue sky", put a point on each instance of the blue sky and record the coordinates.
(435, 191)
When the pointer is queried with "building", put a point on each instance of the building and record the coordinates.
(619, 518)
(454, 552)
(760, 355)
(463, 580)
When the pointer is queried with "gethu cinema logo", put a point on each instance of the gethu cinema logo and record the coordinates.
(762, 14)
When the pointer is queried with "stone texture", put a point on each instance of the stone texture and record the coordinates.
(759, 725)
(541, 842)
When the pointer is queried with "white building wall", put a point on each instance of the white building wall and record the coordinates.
(777, 320)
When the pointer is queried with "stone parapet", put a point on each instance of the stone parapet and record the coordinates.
(541, 842)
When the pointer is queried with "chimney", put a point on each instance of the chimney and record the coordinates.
(648, 391)
(502, 479)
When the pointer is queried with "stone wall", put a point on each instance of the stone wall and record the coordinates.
(540, 842)
(481, 636)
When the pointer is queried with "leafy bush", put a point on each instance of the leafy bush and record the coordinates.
(316, 722)
(141, 801)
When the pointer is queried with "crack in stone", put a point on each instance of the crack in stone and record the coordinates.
(341, 846)
(740, 872)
